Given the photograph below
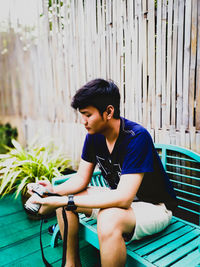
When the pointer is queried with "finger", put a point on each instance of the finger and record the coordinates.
(44, 183)
(36, 199)
(30, 192)
(29, 188)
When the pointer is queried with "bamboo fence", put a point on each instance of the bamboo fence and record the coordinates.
(151, 52)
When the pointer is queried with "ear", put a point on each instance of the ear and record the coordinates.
(110, 111)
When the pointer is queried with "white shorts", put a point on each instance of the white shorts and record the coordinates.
(150, 218)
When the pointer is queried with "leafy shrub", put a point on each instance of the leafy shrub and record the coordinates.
(21, 166)
(7, 133)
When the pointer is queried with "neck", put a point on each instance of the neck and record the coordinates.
(112, 132)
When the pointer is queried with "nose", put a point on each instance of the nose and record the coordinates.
(83, 120)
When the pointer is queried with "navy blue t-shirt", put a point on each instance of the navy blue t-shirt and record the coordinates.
(134, 152)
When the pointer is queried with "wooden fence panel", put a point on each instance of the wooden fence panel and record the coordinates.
(150, 50)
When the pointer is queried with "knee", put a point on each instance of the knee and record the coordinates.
(107, 225)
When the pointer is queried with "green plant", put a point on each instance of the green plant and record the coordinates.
(21, 166)
(7, 133)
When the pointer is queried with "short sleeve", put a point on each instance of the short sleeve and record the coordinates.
(88, 153)
(139, 156)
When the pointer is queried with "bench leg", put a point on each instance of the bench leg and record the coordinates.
(54, 239)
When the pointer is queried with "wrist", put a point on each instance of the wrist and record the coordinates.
(65, 201)
(53, 190)
(70, 203)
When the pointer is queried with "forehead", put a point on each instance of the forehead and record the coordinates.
(89, 109)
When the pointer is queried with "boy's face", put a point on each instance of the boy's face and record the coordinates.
(92, 120)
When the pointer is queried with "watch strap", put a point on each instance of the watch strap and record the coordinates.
(71, 205)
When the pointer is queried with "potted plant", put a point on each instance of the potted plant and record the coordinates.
(20, 166)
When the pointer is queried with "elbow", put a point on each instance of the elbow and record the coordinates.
(123, 200)
(125, 203)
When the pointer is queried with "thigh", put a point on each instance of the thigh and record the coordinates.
(117, 219)
(150, 218)
(124, 219)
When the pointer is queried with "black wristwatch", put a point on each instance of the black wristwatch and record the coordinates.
(70, 204)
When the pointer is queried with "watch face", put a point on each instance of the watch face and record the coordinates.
(70, 198)
(71, 205)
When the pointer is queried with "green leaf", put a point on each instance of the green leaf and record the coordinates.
(38, 161)
(7, 180)
(17, 145)
(22, 185)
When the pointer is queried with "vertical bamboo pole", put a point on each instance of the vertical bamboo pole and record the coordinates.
(174, 65)
(163, 60)
(198, 74)
(180, 64)
(169, 63)
(158, 64)
(144, 62)
(187, 33)
(151, 65)
(192, 63)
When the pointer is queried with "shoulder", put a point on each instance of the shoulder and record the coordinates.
(133, 129)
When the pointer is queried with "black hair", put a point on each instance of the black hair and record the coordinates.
(98, 93)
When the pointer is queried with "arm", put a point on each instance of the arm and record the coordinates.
(72, 186)
(79, 181)
(121, 197)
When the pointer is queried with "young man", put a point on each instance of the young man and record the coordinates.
(140, 198)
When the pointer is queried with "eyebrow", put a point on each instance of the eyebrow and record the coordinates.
(84, 112)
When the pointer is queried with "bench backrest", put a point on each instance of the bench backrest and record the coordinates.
(183, 168)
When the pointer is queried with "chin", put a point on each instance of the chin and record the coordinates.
(90, 131)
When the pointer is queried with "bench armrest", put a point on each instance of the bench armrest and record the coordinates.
(62, 179)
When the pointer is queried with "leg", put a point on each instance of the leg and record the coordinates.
(73, 258)
(111, 225)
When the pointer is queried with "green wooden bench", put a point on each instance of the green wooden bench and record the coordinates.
(179, 243)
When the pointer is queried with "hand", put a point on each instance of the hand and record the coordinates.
(30, 187)
(49, 204)
(46, 184)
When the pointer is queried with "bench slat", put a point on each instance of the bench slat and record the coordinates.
(90, 222)
(179, 253)
(137, 261)
(182, 167)
(149, 240)
(184, 175)
(193, 259)
(179, 158)
(166, 249)
(163, 241)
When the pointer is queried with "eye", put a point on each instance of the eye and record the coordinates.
(88, 115)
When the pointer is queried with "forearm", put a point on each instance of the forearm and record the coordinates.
(103, 200)
(112, 198)
(121, 197)
(71, 186)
